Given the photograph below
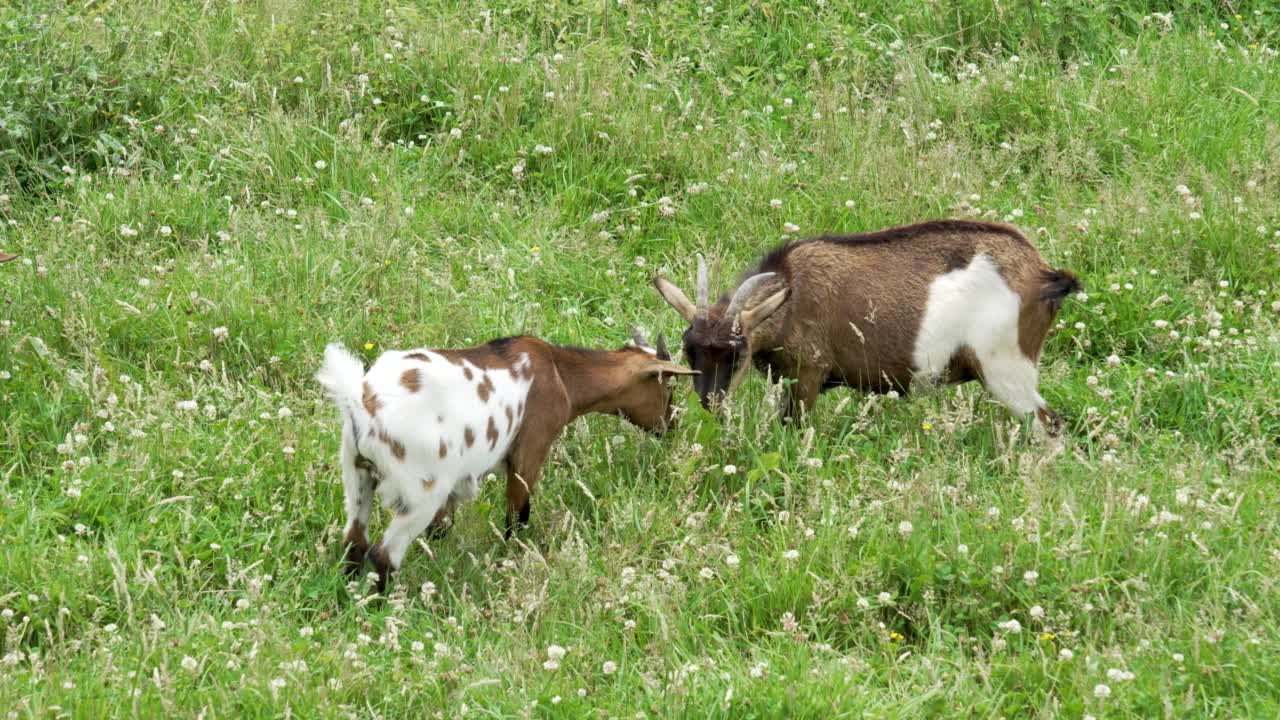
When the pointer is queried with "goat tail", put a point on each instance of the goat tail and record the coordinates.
(1057, 285)
(342, 374)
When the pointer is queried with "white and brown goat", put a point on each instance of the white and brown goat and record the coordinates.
(946, 300)
(423, 427)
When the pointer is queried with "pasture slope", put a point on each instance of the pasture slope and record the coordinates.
(204, 194)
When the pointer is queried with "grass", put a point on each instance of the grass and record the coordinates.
(203, 195)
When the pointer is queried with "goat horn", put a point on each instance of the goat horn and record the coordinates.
(702, 286)
(744, 293)
(663, 352)
(637, 337)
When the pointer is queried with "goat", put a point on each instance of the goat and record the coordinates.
(945, 300)
(422, 427)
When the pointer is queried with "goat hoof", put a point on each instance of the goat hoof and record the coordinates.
(354, 561)
(381, 563)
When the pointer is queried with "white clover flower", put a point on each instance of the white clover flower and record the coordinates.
(884, 598)
(1030, 577)
(610, 667)
(905, 528)
(221, 333)
(1013, 627)
(1101, 691)
(791, 228)
(730, 469)
(1065, 655)
(1036, 612)
(776, 204)
(791, 555)
(732, 560)
(190, 664)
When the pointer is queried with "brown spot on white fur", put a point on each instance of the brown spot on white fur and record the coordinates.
(411, 379)
(469, 436)
(509, 418)
(485, 388)
(397, 447)
(444, 449)
(370, 401)
(428, 483)
(466, 373)
(418, 356)
(492, 433)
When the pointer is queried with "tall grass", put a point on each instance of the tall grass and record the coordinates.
(204, 195)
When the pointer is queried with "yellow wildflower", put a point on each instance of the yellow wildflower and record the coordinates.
(368, 346)
(1046, 637)
(927, 426)
(896, 637)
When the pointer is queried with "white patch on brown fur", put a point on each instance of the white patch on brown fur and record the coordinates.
(974, 307)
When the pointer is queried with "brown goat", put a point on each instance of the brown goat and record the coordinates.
(947, 300)
(423, 427)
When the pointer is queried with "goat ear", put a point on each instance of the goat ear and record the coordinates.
(675, 298)
(662, 367)
(761, 312)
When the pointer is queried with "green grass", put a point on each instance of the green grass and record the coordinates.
(156, 559)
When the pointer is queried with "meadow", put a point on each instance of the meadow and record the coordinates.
(204, 194)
